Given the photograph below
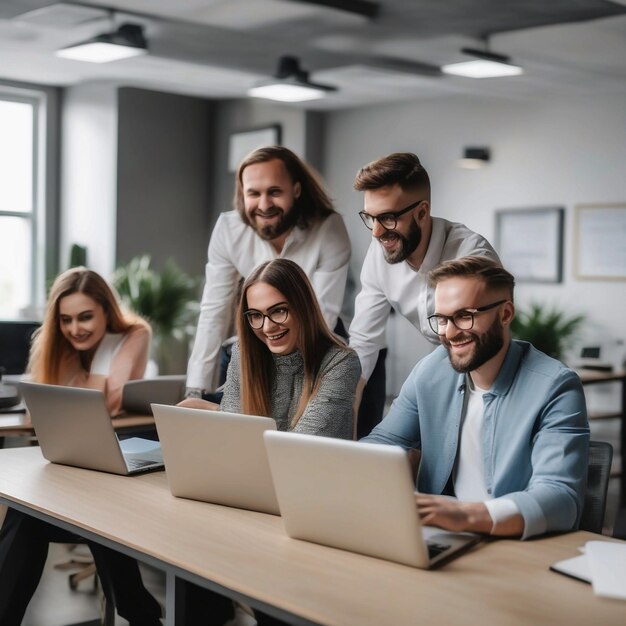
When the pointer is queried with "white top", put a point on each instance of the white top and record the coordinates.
(322, 250)
(469, 470)
(108, 348)
(385, 285)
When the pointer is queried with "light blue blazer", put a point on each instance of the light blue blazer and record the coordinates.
(535, 433)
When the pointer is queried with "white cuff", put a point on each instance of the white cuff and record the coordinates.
(501, 509)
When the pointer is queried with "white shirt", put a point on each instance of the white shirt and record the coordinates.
(322, 251)
(469, 469)
(108, 348)
(385, 285)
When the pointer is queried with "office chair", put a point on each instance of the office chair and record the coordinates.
(598, 473)
(87, 568)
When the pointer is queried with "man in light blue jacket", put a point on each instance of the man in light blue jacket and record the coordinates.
(500, 425)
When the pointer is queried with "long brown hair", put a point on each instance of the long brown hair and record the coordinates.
(312, 205)
(49, 345)
(314, 340)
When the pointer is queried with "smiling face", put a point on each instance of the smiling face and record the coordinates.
(280, 338)
(401, 242)
(82, 321)
(471, 349)
(269, 195)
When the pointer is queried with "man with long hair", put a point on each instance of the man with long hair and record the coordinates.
(407, 242)
(281, 211)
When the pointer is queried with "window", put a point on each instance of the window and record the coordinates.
(21, 236)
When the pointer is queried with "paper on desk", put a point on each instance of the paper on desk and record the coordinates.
(576, 567)
(134, 445)
(607, 561)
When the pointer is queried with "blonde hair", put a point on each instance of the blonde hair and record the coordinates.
(49, 346)
(314, 338)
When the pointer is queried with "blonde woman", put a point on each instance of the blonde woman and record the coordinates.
(86, 340)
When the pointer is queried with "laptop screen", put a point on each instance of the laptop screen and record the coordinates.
(15, 338)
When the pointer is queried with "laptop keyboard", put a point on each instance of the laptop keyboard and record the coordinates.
(435, 549)
(134, 464)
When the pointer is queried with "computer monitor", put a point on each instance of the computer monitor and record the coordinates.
(15, 338)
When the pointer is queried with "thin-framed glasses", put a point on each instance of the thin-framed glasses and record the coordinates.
(256, 319)
(387, 220)
(463, 319)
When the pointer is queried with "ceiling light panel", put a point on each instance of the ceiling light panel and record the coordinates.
(284, 92)
(99, 52)
(482, 68)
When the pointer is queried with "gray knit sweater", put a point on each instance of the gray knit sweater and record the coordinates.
(328, 413)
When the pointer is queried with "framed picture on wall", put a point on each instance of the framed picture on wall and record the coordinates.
(530, 243)
(243, 142)
(599, 236)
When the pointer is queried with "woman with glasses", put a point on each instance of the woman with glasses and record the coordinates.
(287, 364)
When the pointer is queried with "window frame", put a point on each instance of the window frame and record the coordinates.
(36, 215)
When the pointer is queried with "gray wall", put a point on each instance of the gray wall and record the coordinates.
(164, 171)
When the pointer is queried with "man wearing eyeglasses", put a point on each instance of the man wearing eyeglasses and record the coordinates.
(500, 425)
(407, 242)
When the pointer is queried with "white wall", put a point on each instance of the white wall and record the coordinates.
(558, 152)
(89, 174)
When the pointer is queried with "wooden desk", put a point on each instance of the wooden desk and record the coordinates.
(19, 425)
(248, 556)
(593, 377)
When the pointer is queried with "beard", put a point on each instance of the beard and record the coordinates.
(285, 222)
(485, 348)
(409, 243)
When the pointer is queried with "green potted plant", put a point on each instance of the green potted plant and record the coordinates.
(168, 300)
(550, 330)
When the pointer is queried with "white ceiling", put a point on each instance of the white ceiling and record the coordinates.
(219, 48)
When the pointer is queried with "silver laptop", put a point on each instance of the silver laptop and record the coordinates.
(217, 457)
(138, 395)
(74, 427)
(355, 496)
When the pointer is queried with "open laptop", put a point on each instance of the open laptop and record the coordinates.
(217, 457)
(355, 496)
(138, 395)
(74, 427)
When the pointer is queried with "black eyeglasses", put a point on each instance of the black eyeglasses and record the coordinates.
(463, 320)
(256, 319)
(387, 220)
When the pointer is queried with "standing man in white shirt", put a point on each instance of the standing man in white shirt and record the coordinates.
(407, 242)
(281, 211)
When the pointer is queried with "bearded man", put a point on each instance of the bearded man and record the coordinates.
(501, 427)
(407, 242)
(281, 211)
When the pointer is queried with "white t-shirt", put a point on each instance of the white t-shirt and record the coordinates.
(469, 469)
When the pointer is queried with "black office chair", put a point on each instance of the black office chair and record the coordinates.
(598, 473)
